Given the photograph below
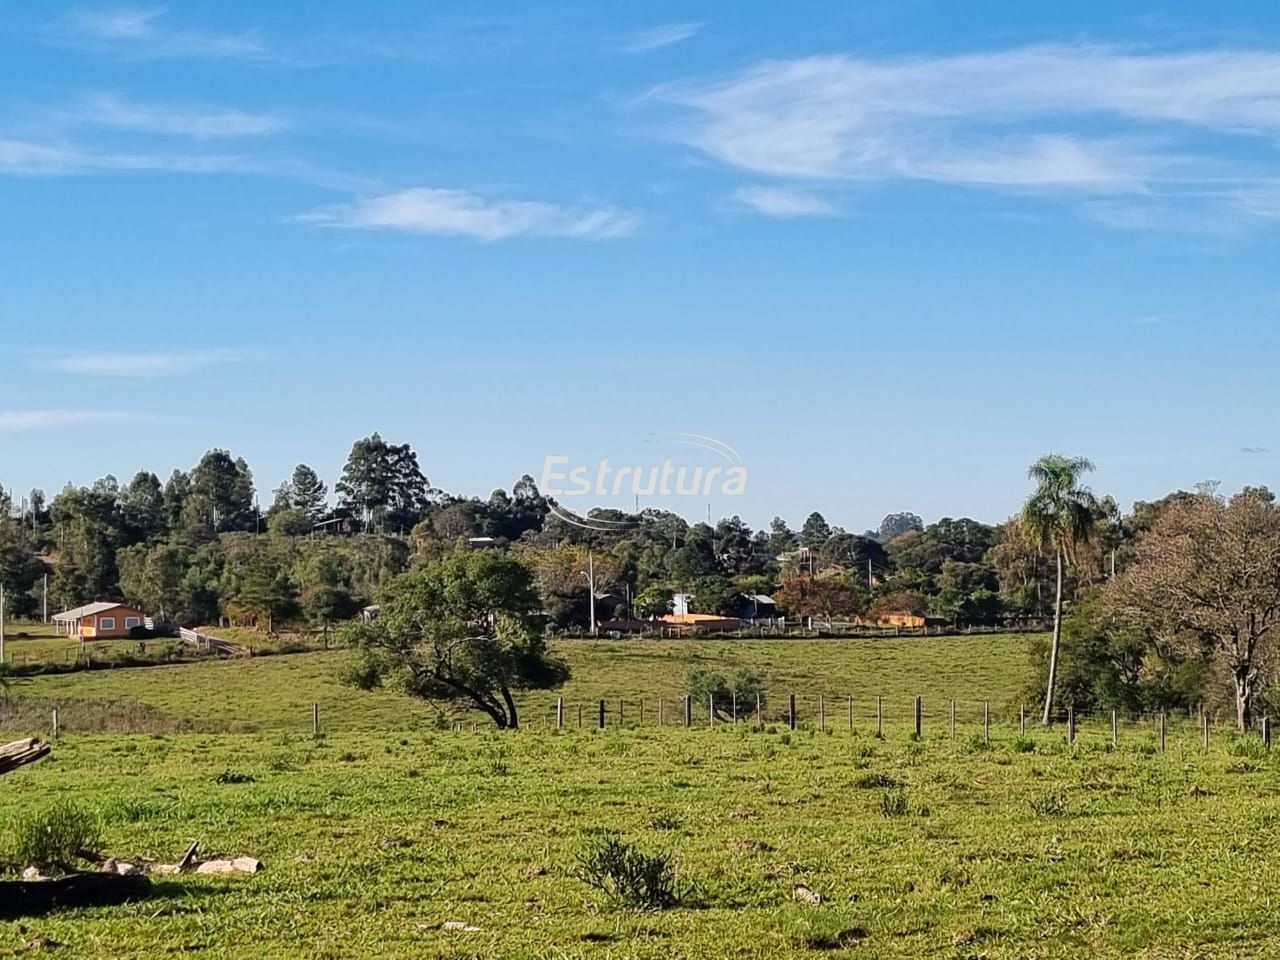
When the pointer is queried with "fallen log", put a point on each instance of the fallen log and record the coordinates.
(23, 898)
(21, 752)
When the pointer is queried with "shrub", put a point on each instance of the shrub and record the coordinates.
(893, 803)
(871, 781)
(702, 685)
(497, 759)
(1024, 745)
(629, 876)
(1251, 748)
(1051, 804)
(53, 836)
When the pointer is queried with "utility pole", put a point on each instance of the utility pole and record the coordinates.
(46, 598)
(870, 584)
(591, 588)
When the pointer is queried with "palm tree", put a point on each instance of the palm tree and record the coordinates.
(1059, 515)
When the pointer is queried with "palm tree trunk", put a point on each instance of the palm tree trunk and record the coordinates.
(1053, 649)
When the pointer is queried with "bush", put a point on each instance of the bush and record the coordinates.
(1251, 748)
(872, 781)
(54, 836)
(702, 685)
(1051, 804)
(893, 803)
(628, 876)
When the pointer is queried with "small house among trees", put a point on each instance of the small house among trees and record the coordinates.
(99, 621)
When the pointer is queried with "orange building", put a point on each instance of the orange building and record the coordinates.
(699, 621)
(99, 621)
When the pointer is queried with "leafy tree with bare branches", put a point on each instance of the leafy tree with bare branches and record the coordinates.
(1059, 516)
(1206, 576)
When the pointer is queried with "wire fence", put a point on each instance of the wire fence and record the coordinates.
(974, 722)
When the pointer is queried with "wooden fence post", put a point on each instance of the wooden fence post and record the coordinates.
(601, 714)
(986, 722)
(1022, 720)
(759, 712)
(1162, 732)
(559, 713)
(953, 719)
(851, 714)
(791, 712)
(711, 709)
(662, 711)
(642, 711)
(579, 716)
(1115, 731)
(1266, 732)
(688, 711)
(315, 719)
(620, 705)
(1071, 725)
(822, 714)
(1204, 723)
(55, 722)
(919, 710)
(880, 717)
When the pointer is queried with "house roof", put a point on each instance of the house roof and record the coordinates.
(758, 598)
(88, 610)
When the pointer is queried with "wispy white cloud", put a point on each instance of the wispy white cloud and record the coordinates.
(655, 38)
(140, 364)
(16, 421)
(25, 158)
(1255, 450)
(433, 210)
(200, 123)
(148, 33)
(1043, 117)
(784, 202)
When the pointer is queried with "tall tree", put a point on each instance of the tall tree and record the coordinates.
(151, 576)
(816, 531)
(1206, 576)
(1059, 516)
(222, 493)
(466, 626)
(142, 504)
(896, 524)
(308, 492)
(385, 483)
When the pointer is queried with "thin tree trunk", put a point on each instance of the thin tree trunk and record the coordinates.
(1244, 698)
(513, 721)
(1053, 649)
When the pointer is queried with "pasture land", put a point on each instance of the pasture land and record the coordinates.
(388, 837)
(276, 693)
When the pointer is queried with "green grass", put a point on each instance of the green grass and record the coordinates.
(385, 829)
(373, 841)
(277, 692)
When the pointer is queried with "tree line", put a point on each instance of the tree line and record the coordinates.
(1168, 604)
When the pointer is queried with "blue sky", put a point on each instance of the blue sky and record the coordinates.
(889, 252)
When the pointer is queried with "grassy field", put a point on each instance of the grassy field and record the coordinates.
(382, 831)
(271, 693)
